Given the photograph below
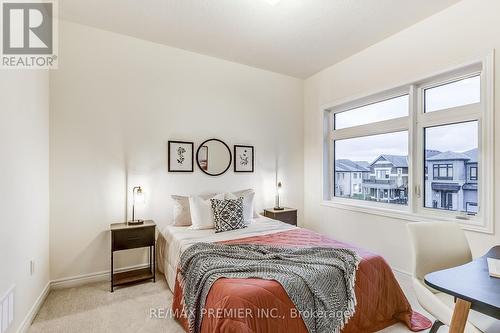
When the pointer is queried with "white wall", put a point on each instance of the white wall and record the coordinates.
(24, 181)
(117, 100)
(454, 36)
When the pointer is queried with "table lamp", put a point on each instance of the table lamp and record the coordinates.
(278, 192)
(138, 197)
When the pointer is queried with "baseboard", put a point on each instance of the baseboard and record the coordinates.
(79, 280)
(401, 271)
(69, 282)
(28, 319)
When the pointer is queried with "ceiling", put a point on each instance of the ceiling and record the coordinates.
(293, 37)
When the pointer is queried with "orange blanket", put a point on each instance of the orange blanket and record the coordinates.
(256, 305)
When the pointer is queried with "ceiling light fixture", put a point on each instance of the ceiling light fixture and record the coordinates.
(273, 2)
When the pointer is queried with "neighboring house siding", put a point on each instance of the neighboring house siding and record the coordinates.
(342, 183)
(349, 178)
(388, 180)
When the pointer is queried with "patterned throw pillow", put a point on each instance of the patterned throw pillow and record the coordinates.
(228, 214)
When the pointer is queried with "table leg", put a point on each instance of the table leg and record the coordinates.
(150, 257)
(112, 275)
(154, 263)
(460, 315)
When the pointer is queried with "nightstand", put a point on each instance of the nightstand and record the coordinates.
(287, 215)
(125, 237)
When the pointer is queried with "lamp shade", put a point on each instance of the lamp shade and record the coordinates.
(278, 193)
(139, 196)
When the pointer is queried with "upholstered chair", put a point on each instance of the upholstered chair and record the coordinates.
(437, 246)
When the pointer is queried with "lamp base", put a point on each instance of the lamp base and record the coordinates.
(135, 222)
(279, 208)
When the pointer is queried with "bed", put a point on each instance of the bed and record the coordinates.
(380, 300)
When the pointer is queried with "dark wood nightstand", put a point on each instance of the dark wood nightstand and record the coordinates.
(125, 237)
(287, 215)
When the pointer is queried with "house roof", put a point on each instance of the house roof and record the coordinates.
(470, 187)
(364, 164)
(431, 152)
(391, 186)
(472, 154)
(449, 155)
(345, 165)
(399, 161)
(454, 187)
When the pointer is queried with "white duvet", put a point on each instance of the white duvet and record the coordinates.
(173, 241)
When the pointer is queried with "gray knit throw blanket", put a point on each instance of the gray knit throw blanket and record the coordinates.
(319, 281)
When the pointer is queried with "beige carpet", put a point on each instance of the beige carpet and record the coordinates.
(92, 308)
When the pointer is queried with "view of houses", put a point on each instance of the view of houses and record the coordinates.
(451, 180)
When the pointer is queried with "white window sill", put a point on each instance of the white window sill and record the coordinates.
(403, 214)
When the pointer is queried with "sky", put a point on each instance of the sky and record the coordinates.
(368, 148)
(456, 137)
(463, 92)
(388, 109)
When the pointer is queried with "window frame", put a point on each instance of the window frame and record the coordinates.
(415, 123)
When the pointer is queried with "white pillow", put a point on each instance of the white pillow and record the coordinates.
(181, 211)
(248, 203)
(182, 214)
(202, 216)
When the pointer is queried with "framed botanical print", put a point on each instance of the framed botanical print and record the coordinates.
(243, 158)
(180, 156)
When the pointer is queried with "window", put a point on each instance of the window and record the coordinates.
(382, 174)
(383, 110)
(472, 207)
(473, 173)
(415, 149)
(453, 145)
(371, 154)
(462, 92)
(442, 171)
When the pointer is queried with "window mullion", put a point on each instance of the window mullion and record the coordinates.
(416, 174)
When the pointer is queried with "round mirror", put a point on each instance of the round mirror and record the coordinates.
(213, 157)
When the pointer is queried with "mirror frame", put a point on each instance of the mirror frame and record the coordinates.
(230, 157)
